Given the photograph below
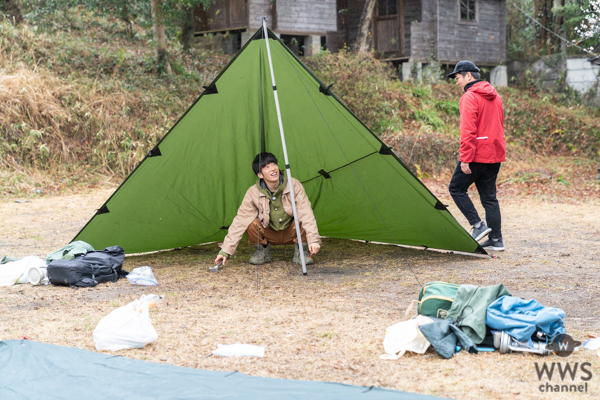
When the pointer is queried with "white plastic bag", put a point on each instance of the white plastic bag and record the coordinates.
(239, 350)
(16, 271)
(593, 344)
(142, 276)
(127, 327)
(405, 336)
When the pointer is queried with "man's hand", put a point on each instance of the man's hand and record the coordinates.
(314, 248)
(464, 166)
(219, 258)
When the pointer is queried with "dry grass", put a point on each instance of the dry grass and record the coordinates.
(330, 324)
(49, 122)
(88, 98)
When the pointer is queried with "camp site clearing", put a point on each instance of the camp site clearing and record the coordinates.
(330, 324)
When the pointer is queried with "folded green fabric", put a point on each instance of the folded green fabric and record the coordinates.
(469, 308)
(7, 259)
(70, 251)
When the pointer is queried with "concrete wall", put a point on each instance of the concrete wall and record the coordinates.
(548, 72)
(581, 74)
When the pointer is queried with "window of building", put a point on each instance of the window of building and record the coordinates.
(387, 7)
(467, 10)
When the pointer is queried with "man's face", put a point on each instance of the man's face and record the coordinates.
(462, 81)
(270, 173)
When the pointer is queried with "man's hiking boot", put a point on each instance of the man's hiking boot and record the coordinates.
(262, 255)
(481, 232)
(493, 244)
(307, 259)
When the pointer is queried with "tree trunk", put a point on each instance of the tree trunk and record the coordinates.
(162, 58)
(11, 10)
(543, 14)
(363, 26)
(187, 29)
(125, 16)
(559, 21)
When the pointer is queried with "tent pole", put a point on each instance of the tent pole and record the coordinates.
(285, 155)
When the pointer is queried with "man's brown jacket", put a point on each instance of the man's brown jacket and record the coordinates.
(256, 204)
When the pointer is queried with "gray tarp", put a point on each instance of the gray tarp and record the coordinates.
(32, 370)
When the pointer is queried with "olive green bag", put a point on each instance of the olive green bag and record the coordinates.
(435, 298)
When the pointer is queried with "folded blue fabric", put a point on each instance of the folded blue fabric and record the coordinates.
(522, 318)
(444, 337)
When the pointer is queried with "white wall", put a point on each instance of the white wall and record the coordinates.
(581, 74)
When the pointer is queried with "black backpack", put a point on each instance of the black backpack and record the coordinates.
(89, 269)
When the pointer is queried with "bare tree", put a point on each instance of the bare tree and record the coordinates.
(187, 28)
(363, 26)
(543, 37)
(160, 36)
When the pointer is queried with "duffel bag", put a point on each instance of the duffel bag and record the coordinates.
(435, 298)
(90, 269)
(71, 273)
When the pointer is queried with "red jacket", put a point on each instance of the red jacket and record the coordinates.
(482, 125)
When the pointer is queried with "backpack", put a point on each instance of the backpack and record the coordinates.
(435, 298)
(90, 269)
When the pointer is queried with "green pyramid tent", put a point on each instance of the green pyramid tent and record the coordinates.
(187, 190)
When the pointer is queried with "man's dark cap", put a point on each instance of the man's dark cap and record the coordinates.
(463, 66)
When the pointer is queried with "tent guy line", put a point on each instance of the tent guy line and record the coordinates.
(326, 174)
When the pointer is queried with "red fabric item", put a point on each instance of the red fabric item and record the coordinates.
(482, 125)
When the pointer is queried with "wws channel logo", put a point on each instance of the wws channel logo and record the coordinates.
(564, 371)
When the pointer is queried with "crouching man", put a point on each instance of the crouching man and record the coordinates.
(267, 217)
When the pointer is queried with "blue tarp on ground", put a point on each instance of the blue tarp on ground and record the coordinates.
(38, 371)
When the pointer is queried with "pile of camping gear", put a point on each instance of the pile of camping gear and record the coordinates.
(76, 265)
(79, 265)
(453, 317)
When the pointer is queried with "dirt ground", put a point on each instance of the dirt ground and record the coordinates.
(329, 325)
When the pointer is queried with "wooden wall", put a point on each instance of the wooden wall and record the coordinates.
(412, 13)
(482, 41)
(256, 10)
(306, 17)
(221, 15)
(424, 32)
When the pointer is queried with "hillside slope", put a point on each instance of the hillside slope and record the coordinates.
(82, 101)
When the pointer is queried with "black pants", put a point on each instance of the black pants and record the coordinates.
(484, 177)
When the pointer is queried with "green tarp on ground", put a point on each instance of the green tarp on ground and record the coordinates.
(189, 187)
(36, 371)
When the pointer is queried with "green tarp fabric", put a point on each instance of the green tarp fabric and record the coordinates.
(469, 308)
(32, 371)
(189, 187)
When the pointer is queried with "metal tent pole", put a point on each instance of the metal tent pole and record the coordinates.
(285, 155)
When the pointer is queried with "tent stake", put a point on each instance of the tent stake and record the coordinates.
(285, 155)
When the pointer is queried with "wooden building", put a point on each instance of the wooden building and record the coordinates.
(423, 31)
(445, 31)
(302, 24)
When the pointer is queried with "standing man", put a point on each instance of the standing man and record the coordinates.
(482, 149)
(267, 217)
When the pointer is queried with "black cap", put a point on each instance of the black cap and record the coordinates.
(463, 66)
